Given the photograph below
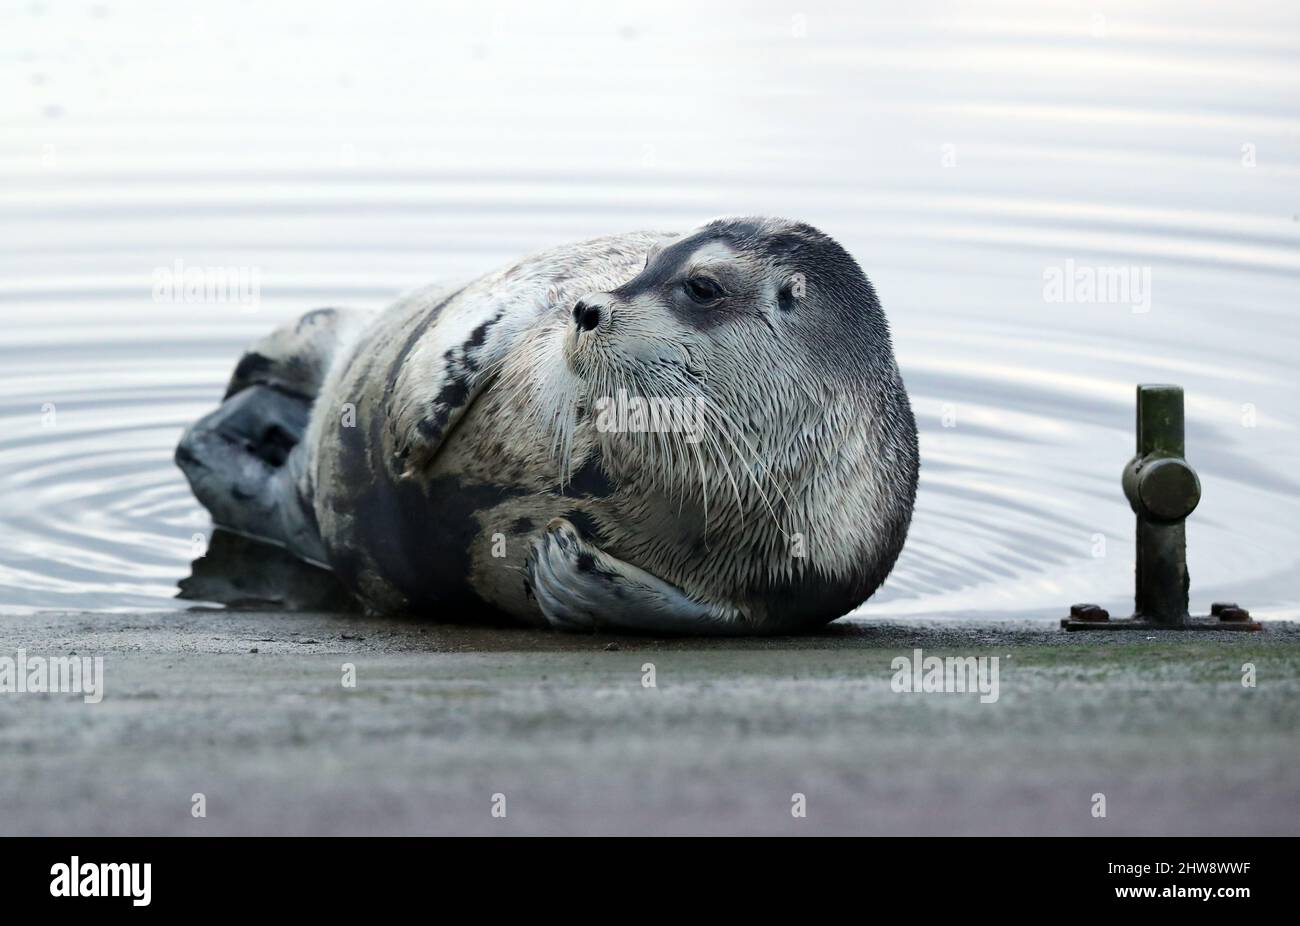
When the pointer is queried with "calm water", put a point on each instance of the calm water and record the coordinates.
(964, 157)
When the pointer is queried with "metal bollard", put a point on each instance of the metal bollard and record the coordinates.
(1162, 488)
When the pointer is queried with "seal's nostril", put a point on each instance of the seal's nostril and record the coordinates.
(587, 316)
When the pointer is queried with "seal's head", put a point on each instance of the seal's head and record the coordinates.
(748, 370)
(737, 292)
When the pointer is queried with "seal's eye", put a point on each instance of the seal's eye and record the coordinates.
(703, 290)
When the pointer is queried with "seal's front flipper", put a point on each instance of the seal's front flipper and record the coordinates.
(446, 363)
(580, 587)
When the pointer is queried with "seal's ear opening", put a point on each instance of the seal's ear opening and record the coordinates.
(785, 297)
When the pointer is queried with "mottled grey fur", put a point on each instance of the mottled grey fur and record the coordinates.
(452, 464)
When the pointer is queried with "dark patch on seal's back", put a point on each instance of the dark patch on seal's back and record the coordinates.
(421, 538)
(590, 481)
(416, 536)
(411, 535)
(353, 464)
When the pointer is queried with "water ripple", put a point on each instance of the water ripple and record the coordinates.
(961, 158)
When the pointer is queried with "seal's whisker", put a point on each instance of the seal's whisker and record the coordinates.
(756, 458)
(673, 390)
(722, 429)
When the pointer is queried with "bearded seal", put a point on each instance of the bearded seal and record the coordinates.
(695, 433)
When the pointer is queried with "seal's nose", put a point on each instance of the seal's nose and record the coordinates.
(586, 315)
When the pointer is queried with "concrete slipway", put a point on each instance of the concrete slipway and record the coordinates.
(249, 709)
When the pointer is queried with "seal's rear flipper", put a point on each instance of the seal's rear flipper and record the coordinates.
(580, 587)
(245, 464)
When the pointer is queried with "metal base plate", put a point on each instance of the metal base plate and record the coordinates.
(1130, 623)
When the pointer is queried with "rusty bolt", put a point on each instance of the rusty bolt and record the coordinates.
(1234, 613)
(1088, 612)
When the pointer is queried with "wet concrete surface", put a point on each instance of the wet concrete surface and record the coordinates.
(446, 724)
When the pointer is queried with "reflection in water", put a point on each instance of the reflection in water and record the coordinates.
(242, 573)
(963, 158)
